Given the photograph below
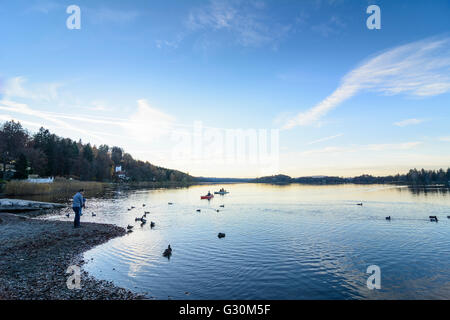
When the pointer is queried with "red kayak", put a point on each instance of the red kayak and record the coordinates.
(207, 197)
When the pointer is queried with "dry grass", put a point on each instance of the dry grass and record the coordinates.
(61, 187)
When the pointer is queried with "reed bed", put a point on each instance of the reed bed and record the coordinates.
(64, 187)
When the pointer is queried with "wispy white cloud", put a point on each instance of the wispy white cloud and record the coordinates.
(98, 105)
(408, 122)
(420, 69)
(169, 44)
(24, 109)
(148, 123)
(7, 117)
(15, 88)
(20, 99)
(107, 15)
(44, 6)
(359, 148)
(445, 139)
(333, 26)
(328, 150)
(246, 20)
(392, 146)
(326, 139)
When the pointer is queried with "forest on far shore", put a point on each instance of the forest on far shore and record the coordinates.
(414, 178)
(48, 155)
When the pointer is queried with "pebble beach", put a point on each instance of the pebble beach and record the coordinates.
(36, 253)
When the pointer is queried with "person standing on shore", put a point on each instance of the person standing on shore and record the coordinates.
(77, 204)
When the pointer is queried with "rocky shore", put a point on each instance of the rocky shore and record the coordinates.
(13, 205)
(36, 253)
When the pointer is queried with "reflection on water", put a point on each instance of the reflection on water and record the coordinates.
(282, 242)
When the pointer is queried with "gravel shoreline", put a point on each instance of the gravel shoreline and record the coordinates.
(35, 254)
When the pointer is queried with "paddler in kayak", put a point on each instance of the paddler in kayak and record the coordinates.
(209, 194)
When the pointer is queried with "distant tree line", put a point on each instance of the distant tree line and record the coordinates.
(414, 177)
(47, 154)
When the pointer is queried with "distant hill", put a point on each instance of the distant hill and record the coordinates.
(414, 177)
(277, 179)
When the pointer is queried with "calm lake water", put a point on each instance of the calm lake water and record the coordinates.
(282, 242)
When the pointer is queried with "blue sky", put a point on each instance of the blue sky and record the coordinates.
(145, 75)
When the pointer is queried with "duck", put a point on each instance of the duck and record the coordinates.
(132, 207)
(388, 218)
(138, 219)
(167, 252)
(143, 221)
(129, 227)
(433, 219)
(68, 215)
(448, 217)
(170, 203)
(198, 210)
(93, 214)
(152, 224)
(143, 204)
(222, 206)
(217, 210)
(147, 212)
(221, 235)
(359, 204)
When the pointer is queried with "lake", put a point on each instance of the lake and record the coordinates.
(282, 242)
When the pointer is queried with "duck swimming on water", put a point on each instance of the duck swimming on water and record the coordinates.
(167, 252)
(388, 218)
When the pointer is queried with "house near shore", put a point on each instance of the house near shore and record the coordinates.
(8, 171)
(120, 174)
